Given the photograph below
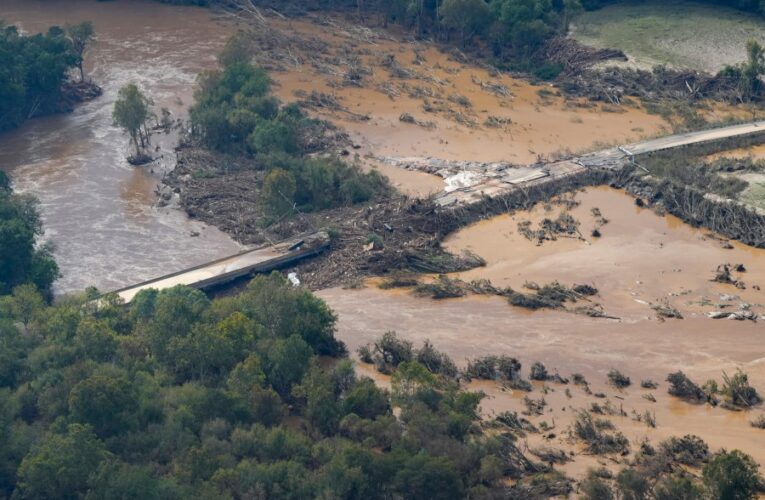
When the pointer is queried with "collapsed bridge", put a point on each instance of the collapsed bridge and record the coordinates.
(494, 179)
(467, 184)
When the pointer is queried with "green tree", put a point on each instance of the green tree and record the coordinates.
(115, 480)
(96, 340)
(26, 303)
(366, 400)
(571, 8)
(229, 102)
(131, 112)
(426, 477)
(80, 36)
(753, 69)
(246, 376)
(284, 310)
(13, 351)
(409, 380)
(732, 476)
(33, 69)
(321, 408)
(205, 354)
(287, 362)
(238, 49)
(61, 465)
(105, 402)
(274, 136)
(21, 259)
(466, 17)
(175, 313)
(278, 196)
(266, 407)
(523, 25)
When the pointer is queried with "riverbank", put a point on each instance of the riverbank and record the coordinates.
(102, 214)
(72, 94)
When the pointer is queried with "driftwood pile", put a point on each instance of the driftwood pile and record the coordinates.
(575, 57)
(613, 84)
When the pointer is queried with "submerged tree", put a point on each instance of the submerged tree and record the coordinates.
(80, 36)
(131, 111)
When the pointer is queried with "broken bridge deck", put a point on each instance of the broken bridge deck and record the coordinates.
(257, 260)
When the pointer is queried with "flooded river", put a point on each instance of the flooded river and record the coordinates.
(102, 216)
(640, 258)
(98, 210)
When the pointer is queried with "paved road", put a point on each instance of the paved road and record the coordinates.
(678, 140)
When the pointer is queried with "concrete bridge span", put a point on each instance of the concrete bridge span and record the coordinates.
(491, 182)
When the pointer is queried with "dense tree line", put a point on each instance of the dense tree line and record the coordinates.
(34, 67)
(22, 260)
(180, 396)
(235, 112)
(510, 32)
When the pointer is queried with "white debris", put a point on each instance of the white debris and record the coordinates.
(293, 279)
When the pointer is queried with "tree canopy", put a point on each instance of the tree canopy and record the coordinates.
(181, 396)
(234, 112)
(33, 69)
(22, 260)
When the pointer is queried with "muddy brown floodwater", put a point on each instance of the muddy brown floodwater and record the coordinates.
(641, 258)
(98, 210)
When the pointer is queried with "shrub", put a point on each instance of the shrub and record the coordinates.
(494, 368)
(594, 487)
(633, 485)
(758, 422)
(435, 361)
(688, 450)
(677, 487)
(682, 387)
(618, 379)
(390, 351)
(738, 392)
(598, 442)
(648, 384)
(365, 354)
(539, 372)
(548, 71)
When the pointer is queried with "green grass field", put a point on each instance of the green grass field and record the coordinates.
(682, 35)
